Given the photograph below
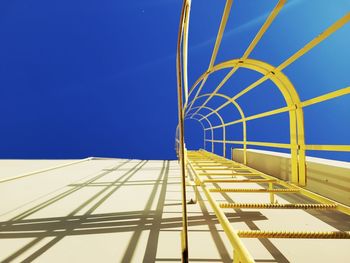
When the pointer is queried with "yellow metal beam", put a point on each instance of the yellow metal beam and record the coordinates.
(251, 190)
(291, 234)
(330, 30)
(277, 206)
(257, 116)
(210, 126)
(325, 97)
(239, 108)
(337, 148)
(181, 117)
(316, 197)
(223, 128)
(239, 249)
(223, 22)
(239, 180)
(250, 48)
(204, 130)
(267, 144)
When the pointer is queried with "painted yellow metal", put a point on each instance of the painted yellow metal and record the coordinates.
(338, 148)
(325, 97)
(238, 107)
(269, 144)
(291, 98)
(239, 181)
(204, 165)
(195, 159)
(277, 206)
(223, 22)
(289, 93)
(204, 131)
(186, 23)
(289, 234)
(181, 149)
(230, 174)
(210, 126)
(250, 48)
(239, 249)
(223, 128)
(248, 190)
(316, 197)
(256, 116)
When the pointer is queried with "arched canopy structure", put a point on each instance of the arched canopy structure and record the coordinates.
(211, 128)
(293, 105)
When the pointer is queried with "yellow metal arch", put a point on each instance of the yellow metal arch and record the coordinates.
(291, 97)
(250, 48)
(210, 126)
(223, 127)
(241, 112)
(294, 108)
(204, 130)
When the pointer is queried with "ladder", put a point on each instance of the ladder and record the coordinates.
(209, 170)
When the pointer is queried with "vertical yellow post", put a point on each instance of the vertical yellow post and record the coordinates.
(294, 147)
(182, 157)
(244, 142)
(301, 151)
(204, 139)
(224, 139)
(272, 195)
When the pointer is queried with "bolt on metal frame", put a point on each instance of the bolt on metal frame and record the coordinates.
(294, 107)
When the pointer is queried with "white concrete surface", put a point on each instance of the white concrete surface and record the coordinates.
(130, 211)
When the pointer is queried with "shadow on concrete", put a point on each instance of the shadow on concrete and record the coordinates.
(136, 222)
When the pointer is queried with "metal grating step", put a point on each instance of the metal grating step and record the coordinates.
(249, 190)
(277, 206)
(229, 174)
(240, 181)
(294, 234)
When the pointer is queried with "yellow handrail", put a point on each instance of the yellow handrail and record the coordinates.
(293, 105)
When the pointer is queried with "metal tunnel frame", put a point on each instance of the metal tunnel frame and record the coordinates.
(293, 105)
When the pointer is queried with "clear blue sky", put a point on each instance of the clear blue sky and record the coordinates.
(97, 78)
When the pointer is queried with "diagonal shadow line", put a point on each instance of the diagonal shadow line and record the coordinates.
(61, 235)
(129, 174)
(225, 257)
(47, 194)
(274, 251)
(106, 184)
(91, 224)
(153, 237)
(111, 223)
(137, 232)
(336, 219)
(62, 195)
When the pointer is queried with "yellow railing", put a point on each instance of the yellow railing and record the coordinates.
(293, 105)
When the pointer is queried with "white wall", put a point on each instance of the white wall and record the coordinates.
(326, 177)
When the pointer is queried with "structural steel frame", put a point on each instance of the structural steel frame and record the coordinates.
(293, 105)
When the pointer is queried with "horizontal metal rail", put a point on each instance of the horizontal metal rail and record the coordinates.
(248, 190)
(240, 252)
(291, 234)
(277, 206)
(213, 169)
(320, 147)
(253, 172)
